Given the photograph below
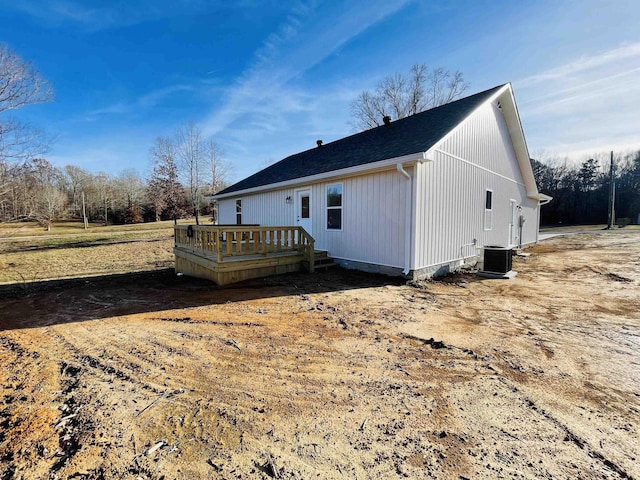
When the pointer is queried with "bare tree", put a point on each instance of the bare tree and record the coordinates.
(20, 85)
(51, 202)
(102, 183)
(21, 141)
(191, 158)
(20, 82)
(76, 182)
(399, 95)
(221, 170)
(129, 194)
(34, 191)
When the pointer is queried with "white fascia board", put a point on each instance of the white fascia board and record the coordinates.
(418, 157)
(514, 124)
(541, 197)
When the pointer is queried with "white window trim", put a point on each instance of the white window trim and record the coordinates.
(488, 211)
(235, 206)
(327, 207)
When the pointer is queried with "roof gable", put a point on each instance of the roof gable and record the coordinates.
(409, 135)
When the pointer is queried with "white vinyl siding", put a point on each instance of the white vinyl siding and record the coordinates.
(451, 192)
(373, 217)
(266, 209)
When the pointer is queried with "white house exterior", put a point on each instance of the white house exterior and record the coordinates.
(417, 197)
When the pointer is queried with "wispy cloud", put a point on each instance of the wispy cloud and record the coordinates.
(612, 90)
(146, 101)
(585, 64)
(309, 36)
(93, 17)
(587, 105)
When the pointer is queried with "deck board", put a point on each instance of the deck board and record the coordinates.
(227, 254)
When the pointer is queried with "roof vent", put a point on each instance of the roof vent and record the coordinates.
(386, 119)
(499, 105)
(319, 143)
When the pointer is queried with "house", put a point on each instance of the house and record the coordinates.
(416, 197)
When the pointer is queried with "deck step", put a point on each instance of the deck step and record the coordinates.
(322, 260)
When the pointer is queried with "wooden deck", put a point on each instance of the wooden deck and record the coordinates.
(228, 254)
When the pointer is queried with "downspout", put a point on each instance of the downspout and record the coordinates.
(537, 223)
(407, 228)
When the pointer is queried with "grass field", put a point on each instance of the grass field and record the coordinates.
(28, 253)
(30, 229)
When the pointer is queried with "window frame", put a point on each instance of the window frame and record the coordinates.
(488, 212)
(238, 211)
(339, 208)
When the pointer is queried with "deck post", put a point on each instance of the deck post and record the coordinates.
(218, 245)
(312, 256)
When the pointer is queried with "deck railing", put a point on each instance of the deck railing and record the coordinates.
(235, 241)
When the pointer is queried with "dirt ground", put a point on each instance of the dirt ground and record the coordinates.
(336, 375)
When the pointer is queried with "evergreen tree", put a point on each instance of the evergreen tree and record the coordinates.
(165, 191)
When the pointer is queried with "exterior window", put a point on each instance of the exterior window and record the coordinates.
(334, 207)
(238, 212)
(488, 210)
(304, 207)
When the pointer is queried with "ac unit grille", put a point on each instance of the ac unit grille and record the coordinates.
(497, 259)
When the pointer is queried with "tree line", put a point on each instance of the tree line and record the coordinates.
(187, 169)
(581, 191)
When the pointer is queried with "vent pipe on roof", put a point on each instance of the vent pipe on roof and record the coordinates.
(319, 143)
(386, 119)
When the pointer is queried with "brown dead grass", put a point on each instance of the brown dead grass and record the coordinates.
(45, 258)
(336, 375)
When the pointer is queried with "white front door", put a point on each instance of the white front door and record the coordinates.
(303, 210)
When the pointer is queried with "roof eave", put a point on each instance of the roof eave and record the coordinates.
(405, 160)
(541, 197)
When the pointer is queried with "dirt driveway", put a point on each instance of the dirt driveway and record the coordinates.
(335, 375)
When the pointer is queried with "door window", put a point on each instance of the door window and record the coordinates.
(304, 207)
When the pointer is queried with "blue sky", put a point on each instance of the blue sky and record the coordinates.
(267, 79)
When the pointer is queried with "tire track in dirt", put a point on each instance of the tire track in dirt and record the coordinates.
(82, 358)
(26, 433)
(570, 435)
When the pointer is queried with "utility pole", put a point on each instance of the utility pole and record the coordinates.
(611, 217)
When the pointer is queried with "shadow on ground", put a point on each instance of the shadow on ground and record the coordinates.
(39, 304)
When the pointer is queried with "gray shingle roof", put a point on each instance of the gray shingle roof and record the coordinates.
(406, 136)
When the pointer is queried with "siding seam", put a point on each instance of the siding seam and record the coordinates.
(479, 167)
